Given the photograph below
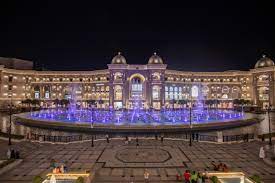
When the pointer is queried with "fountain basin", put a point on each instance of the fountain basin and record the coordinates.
(112, 126)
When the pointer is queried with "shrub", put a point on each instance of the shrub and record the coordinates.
(214, 179)
(37, 179)
(256, 178)
(79, 180)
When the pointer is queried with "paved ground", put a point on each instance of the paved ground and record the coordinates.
(118, 162)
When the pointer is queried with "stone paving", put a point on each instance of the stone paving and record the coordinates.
(103, 157)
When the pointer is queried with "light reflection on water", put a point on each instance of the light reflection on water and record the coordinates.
(136, 117)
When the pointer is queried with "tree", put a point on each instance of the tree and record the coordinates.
(35, 102)
(56, 102)
(64, 102)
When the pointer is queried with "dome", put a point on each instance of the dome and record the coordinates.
(264, 62)
(155, 59)
(119, 59)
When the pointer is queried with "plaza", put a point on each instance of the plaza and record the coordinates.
(113, 162)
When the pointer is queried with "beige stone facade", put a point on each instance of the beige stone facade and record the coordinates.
(122, 85)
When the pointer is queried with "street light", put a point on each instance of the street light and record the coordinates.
(190, 120)
(268, 109)
(10, 113)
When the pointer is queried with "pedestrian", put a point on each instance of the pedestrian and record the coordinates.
(199, 179)
(146, 176)
(194, 177)
(137, 142)
(12, 154)
(187, 176)
(9, 153)
(107, 138)
(262, 153)
(162, 138)
(17, 155)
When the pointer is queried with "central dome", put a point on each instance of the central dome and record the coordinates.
(155, 59)
(264, 62)
(119, 59)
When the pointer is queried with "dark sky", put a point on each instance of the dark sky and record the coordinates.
(192, 35)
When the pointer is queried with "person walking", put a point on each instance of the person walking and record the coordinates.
(187, 176)
(9, 153)
(146, 176)
(262, 153)
(107, 138)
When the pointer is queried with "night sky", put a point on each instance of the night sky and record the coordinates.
(191, 36)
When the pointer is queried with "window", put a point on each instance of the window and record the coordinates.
(180, 93)
(171, 94)
(118, 92)
(195, 91)
(156, 93)
(176, 93)
(136, 88)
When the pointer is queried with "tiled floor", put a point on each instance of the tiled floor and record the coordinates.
(103, 159)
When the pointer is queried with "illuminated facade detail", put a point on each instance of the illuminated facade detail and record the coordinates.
(151, 85)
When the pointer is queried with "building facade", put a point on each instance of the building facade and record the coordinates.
(126, 86)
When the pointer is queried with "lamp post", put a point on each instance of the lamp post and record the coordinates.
(190, 120)
(268, 109)
(10, 113)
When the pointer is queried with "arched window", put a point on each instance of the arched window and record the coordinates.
(205, 90)
(236, 92)
(36, 92)
(47, 92)
(195, 91)
(136, 87)
(225, 89)
(263, 93)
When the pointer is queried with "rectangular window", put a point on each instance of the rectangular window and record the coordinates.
(36, 95)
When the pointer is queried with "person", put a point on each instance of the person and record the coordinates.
(12, 154)
(224, 168)
(199, 179)
(65, 167)
(53, 163)
(262, 153)
(9, 153)
(215, 167)
(62, 169)
(17, 155)
(137, 142)
(162, 138)
(146, 176)
(187, 176)
(194, 177)
(107, 138)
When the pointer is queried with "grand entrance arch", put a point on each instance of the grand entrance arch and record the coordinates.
(137, 97)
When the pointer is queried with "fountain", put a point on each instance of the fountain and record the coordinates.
(136, 117)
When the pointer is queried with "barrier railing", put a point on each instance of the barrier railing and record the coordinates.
(242, 137)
